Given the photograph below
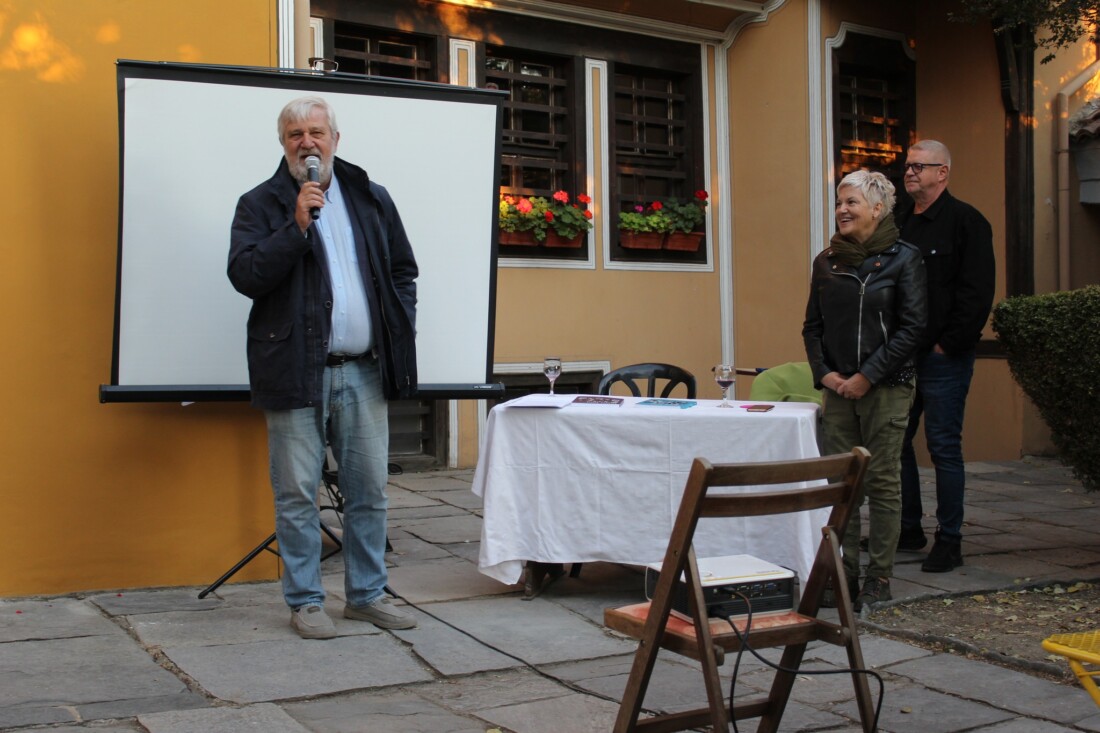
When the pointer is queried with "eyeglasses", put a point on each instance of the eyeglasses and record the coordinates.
(918, 168)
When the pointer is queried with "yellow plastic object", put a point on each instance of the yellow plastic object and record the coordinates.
(1079, 650)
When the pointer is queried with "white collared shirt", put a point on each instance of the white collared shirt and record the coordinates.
(351, 322)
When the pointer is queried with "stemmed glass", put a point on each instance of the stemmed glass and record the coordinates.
(723, 377)
(551, 367)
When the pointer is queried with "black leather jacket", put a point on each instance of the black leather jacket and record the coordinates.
(866, 319)
(286, 275)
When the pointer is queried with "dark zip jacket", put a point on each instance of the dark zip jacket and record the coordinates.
(957, 244)
(866, 319)
(286, 276)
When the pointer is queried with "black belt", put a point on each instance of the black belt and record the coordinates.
(338, 360)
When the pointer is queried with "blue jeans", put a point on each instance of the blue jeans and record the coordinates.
(353, 418)
(942, 385)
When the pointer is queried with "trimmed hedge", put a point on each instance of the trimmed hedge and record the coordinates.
(1053, 346)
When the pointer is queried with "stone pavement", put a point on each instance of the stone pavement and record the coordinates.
(483, 659)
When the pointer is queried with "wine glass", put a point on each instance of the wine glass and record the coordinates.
(551, 367)
(724, 377)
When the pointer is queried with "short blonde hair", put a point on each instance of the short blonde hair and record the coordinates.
(874, 186)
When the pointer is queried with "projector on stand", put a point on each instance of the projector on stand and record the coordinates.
(769, 588)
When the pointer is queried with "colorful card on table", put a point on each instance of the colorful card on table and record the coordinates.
(587, 399)
(664, 402)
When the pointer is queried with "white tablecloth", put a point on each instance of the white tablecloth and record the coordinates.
(588, 483)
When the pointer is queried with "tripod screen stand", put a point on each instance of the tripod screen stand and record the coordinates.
(335, 504)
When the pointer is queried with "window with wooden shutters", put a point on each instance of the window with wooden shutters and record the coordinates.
(875, 85)
(536, 135)
(656, 157)
(363, 50)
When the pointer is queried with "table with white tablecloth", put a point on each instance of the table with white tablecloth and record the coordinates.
(598, 482)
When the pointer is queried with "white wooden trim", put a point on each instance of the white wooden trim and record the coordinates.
(317, 32)
(471, 55)
(818, 216)
(285, 15)
(595, 96)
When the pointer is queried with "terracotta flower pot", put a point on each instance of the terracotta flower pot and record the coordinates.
(684, 241)
(553, 239)
(522, 239)
(641, 240)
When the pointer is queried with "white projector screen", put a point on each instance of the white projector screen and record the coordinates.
(194, 138)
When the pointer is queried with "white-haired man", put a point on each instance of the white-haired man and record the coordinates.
(957, 244)
(331, 336)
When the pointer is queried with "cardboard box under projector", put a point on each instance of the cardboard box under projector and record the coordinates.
(769, 588)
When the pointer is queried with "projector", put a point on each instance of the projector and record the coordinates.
(769, 588)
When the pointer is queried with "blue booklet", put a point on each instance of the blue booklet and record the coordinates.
(662, 402)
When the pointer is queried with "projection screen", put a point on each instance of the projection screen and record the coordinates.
(194, 138)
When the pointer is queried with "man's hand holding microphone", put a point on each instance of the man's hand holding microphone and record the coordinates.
(310, 197)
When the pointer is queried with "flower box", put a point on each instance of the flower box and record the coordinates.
(553, 239)
(684, 241)
(521, 239)
(641, 240)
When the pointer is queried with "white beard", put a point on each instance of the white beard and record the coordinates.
(301, 174)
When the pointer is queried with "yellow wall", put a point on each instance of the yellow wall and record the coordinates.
(769, 154)
(114, 496)
(96, 495)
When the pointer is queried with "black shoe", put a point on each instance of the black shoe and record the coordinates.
(911, 540)
(829, 597)
(875, 590)
(946, 555)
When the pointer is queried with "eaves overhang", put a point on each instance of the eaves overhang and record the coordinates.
(686, 20)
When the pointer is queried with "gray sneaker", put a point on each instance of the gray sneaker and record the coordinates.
(311, 622)
(382, 614)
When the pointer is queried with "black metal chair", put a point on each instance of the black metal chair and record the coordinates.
(632, 375)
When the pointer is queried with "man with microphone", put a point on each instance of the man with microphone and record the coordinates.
(321, 251)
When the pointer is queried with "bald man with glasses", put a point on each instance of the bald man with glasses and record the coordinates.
(957, 244)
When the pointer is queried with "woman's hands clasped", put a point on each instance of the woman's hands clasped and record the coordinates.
(850, 388)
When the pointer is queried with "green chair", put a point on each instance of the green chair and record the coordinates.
(790, 382)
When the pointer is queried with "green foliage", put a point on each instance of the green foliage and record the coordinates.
(569, 218)
(687, 216)
(651, 218)
(1053, 346)
(519, 214)
(1062, 22)
(538, 215)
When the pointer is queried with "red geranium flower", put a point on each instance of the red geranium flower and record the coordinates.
(656, 206)
(524, 206)
(561, 196)
(584, 199)
(549, 215)
(701, 195)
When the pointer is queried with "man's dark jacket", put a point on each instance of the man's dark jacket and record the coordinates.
(286, 275)
(957, 244)
(865, 319)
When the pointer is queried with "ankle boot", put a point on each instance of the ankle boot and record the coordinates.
(946, 555)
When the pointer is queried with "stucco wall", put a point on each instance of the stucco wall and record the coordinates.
(95, 495)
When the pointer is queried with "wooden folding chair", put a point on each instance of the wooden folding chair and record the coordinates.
(708, 639)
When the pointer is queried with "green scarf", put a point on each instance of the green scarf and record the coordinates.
(853, 253)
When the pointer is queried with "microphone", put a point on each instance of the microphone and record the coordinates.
(313, 172)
